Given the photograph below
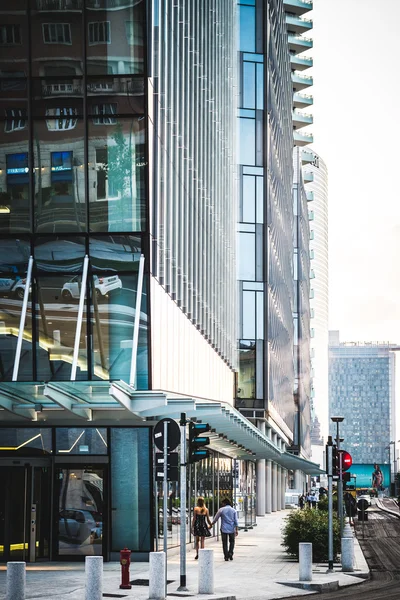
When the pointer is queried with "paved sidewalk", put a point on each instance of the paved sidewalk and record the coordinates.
(260, 571)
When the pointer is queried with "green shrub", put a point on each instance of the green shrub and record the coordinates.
(310, 525)
(323, 503)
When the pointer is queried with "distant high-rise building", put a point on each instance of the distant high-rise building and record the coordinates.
(362, 390)
(315, 175)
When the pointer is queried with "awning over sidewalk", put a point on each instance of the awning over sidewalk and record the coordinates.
(114, 402)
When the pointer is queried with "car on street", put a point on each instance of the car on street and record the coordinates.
(102, 285)
(11, 284)
(77, 526)
(366, 497)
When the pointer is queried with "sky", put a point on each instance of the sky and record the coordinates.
(356, 131)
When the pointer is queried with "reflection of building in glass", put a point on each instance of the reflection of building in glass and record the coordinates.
(362, 390)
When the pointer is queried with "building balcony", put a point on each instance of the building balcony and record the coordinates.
(310, 198)
(300, 81)
(297, 25)
(300, 62)
(298, 7)
(308, 176)
(62, 89)
(301, 119)
(299, 43)
(302, 100)
(301, 138)
(68, 5)
(307, 157)
(106, 4)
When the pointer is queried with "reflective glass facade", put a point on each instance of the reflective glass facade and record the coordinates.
(266, 221)
(73, 173)
(362, 390)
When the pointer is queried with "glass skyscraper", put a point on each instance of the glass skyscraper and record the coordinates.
(362, 390)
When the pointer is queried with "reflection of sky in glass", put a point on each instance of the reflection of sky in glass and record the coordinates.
(247, 28)
(247, 141)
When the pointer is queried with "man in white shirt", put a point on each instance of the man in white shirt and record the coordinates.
(229, 527)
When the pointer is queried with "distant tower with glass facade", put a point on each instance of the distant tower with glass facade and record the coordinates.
(315, 175)
(362, 390)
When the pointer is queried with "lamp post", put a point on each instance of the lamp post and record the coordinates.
(338, 420)
(394, 467)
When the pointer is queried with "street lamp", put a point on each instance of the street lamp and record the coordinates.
(338, 420)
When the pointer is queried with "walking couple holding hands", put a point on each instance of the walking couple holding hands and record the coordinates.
(229, 526)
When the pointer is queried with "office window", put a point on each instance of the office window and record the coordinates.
(56, 33)
(10, 35)
(134, 33)
(100, 32)
(15, 119)
(105, 112)
(64, 119)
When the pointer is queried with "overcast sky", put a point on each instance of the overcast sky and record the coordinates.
(356, 131)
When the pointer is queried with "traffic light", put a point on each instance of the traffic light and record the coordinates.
(196, 444)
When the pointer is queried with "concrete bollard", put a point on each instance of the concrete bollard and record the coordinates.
(94, 577)
(206, 571)
(157, 583)
(347, 531)
(15, 582)
(305, 561)
(348, 554)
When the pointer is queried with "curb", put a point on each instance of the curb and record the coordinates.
(328, 586)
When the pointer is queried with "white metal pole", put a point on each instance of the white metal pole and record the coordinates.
(165, 498)
(22, 320)
(182, 587)
(135, 338)
(80, 318)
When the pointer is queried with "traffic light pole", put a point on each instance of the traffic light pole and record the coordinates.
(330, 504)
(340, 483)
(182, 587)
(165, 500)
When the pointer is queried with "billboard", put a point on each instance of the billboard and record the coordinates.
(371, 475)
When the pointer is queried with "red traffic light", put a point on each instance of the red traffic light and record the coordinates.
(347, 461)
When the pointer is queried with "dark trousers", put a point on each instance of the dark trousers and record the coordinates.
(225, 537)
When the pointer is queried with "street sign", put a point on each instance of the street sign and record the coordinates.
(173, 434)
(347, 460)
(172, 466)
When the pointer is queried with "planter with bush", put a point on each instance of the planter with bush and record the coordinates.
(310, 525)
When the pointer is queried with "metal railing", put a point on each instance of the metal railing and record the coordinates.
(59, 4)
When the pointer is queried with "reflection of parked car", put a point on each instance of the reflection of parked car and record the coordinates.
(79, 525)
(12, 285)
(102, 285)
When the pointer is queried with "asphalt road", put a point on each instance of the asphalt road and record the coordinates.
(381, 547)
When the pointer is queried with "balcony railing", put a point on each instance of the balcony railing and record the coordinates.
(59, 4)
(100, 4)
(62, 89)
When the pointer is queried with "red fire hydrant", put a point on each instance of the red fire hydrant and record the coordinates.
(125, 560)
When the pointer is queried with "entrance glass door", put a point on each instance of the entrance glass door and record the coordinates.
(81, 510)
(24, 512)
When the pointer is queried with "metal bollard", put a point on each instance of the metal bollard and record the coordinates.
(157, 583)
(348, 554)
(15, 584)
(305, 561)
(206, 571)
(94, 577)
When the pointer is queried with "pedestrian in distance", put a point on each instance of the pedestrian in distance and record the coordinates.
(301, 501)
(313, 500)
(229, 527)
(199, 525)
